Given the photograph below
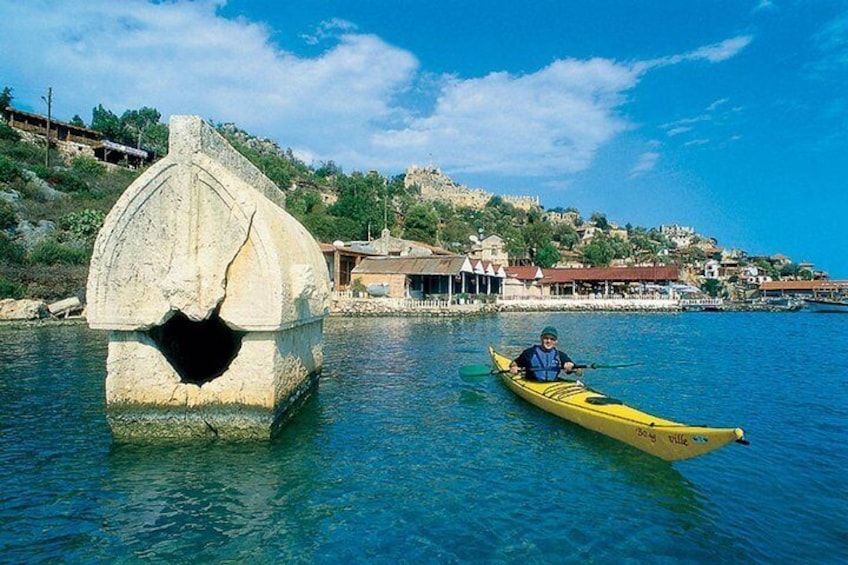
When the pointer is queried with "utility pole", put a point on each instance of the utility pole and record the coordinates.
(49, 101)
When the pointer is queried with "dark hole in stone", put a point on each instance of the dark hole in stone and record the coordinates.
(198, 351)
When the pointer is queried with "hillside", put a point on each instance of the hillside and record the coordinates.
(53, 204)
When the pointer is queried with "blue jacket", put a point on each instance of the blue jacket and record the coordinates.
(542, 365)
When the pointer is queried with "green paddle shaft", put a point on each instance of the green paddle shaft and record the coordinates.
(481, 370)
(605, 366)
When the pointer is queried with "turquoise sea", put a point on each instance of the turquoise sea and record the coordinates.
(397, 460)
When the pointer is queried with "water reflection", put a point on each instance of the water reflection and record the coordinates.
(218, 501)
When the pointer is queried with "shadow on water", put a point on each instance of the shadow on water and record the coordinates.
(654, 477)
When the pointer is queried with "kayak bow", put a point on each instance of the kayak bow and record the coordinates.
(596, 411)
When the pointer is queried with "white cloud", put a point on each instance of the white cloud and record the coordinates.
(647, 162)
(552, 120)
(346, 104)
(716, 104)
(329, 29)
(714, 53)
(182, 57)
(764, 5)
(677, 131)
(720, 51)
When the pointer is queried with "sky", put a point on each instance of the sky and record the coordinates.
(730, 117)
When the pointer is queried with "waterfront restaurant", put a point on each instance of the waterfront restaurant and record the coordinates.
(433, 276)
(804, 289)
(607, 282)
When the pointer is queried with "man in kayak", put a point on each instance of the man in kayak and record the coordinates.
(544, 362)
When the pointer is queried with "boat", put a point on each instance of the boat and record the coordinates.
(701, 304)
(586, 407)
(826, 304)
(377, 289)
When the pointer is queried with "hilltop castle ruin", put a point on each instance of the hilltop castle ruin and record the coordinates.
(435, 185)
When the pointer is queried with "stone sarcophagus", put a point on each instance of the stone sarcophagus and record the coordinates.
(215, 297)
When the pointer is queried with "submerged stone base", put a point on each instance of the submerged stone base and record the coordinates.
(269, 376)
(132, 422)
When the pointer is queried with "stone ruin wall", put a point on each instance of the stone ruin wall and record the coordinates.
(435, 185)
(523, 202)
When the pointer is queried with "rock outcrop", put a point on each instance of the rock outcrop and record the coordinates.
(12, 310)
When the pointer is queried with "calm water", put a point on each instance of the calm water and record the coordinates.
(398, 460)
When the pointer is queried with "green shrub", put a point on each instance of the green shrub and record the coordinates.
(116, 180)
(47, 282)
(10, 252)
(9, 169)
(67, 181)
(87, 167)
(8, 217)
(26, 153)
(10, 289)
(83, 224)
(60, 179)
(9, 134)
(40, 171)
(51, 252)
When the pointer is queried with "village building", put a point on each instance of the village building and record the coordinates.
(522, 281)
(490, 249)
(436, 276)
(619, 232)
(75, 141)
(804, 289)
(481, 274)
(609, 281)
(681, 236)
(601, 282)
(341, 260)
(557, 217)
(569, 259)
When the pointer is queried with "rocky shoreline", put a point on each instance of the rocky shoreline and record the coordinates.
(72, 309)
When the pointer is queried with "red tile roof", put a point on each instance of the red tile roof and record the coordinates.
(523, 272)
(658, 273)
(804, 285)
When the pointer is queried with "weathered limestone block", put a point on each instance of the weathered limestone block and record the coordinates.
(214, 294)
(17, 310)
(65, 307)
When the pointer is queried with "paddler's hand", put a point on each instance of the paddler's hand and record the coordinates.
(569, 367)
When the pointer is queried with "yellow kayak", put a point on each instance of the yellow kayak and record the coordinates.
(593, 410)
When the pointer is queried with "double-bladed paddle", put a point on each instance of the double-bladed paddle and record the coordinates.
(479, 371)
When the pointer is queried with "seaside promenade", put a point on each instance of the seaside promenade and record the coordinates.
(345, 305)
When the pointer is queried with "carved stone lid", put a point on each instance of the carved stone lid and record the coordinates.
(201, 231)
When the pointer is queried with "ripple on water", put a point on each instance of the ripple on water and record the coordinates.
(397, 459)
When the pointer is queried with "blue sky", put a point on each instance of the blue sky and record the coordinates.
(727, 116)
